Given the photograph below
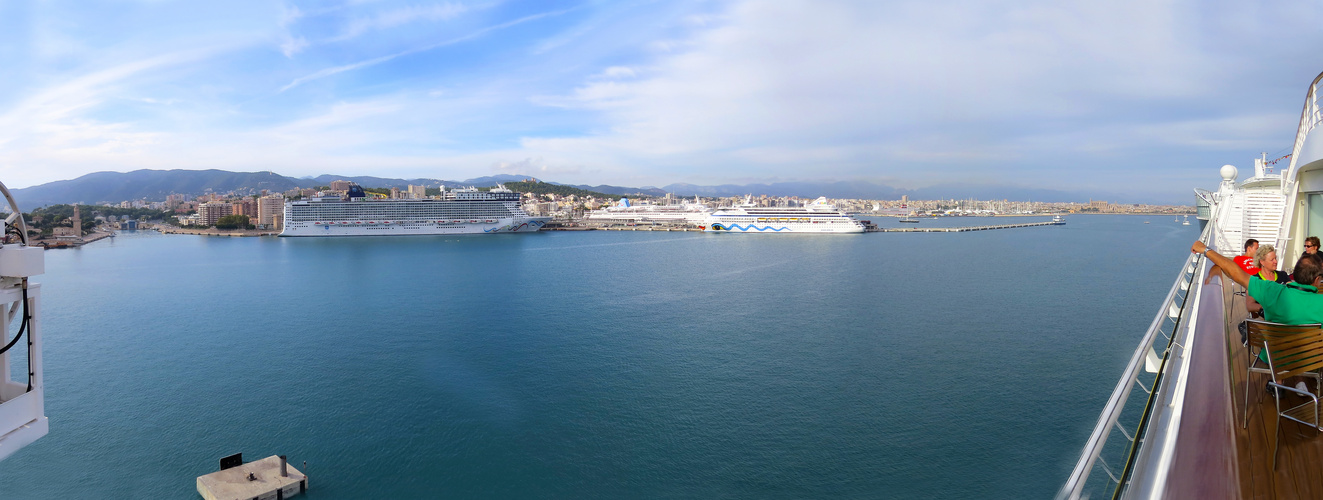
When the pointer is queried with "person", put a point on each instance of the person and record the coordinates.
(1244, 260)
(1296, 303)
(1265, 259)
(1311, 245)
(1265, 262)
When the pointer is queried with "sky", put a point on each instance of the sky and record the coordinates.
(1147, 98)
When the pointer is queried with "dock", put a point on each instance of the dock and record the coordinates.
(963, 229)
(258, 480)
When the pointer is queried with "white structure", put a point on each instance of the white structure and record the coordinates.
(22, 400)
(458, 211)
(624, 211)
(816, 217)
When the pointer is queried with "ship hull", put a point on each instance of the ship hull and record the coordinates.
(828, 227)
(506, 225)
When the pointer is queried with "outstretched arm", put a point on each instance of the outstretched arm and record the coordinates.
(1227, 265)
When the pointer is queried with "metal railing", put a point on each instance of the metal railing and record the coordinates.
(1113, 454)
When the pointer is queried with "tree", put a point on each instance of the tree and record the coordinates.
(233, 222)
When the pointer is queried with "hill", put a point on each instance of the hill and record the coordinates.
(385, 182)
(557, 189)
(152, 185)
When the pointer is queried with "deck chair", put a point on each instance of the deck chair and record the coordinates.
(1292, 354)
(1254, 342)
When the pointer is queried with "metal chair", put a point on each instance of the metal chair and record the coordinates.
(1254, 342)
(1290, 354)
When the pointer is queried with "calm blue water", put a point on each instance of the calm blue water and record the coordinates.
(594, 364)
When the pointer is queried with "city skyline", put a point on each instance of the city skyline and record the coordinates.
(1126, 97)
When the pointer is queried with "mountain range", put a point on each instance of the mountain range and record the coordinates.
(154, 185)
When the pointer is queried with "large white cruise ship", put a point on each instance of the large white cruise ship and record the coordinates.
(816, 217)
(456, 211)
(687, 213)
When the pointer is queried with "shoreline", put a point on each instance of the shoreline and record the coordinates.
(216, 232)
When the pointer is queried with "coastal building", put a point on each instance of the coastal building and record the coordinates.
(212, 211)
(394, 193)
(246, 206)
(417, 192)
(270, 208)
(341, 186)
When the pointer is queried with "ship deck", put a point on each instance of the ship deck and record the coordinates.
(1204, 465)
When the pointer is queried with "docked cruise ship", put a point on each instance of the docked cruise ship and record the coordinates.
(688, 213)
(1187, 418)
(456, 211)
(816, 217)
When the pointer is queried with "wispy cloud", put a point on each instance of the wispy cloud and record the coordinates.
(401, 16)
(378, 60)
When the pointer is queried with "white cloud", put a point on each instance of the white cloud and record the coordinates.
(872, 87)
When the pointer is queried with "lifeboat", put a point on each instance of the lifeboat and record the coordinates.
(491, 221)
(474, 221)
(343, 222)
(358, 222)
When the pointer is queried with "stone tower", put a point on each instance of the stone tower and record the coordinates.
(77, 223)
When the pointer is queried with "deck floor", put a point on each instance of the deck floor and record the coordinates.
(1299, 471)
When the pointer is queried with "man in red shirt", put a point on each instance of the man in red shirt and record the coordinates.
(1245, 261)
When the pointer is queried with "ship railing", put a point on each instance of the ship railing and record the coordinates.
(1137, 433)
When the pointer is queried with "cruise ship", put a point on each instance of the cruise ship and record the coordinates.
(688, 213)
(816, 217)
(455, 211)
(1187, 418)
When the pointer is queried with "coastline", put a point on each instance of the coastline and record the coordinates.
(215, 232)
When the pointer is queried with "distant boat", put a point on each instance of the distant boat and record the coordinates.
(909, 220)
(1187, 221)
(1146, 222)
(1057, 219)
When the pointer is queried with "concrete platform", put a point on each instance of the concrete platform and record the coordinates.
(234, 484)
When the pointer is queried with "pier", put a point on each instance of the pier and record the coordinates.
(268, 478)
(964, 229)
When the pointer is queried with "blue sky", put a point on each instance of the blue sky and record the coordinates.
(1141, 97)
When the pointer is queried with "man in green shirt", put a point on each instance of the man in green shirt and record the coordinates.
(1296, 303)
(1291, 303)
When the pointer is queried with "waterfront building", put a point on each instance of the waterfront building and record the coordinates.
(269, 208)
(246, 206)
(417, 192)
(340, 186)
(212, 211)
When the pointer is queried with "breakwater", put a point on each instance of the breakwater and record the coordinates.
(964, 229)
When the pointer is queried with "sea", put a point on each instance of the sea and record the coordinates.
(596, 364)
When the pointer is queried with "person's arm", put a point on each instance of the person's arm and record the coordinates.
(1228, 266)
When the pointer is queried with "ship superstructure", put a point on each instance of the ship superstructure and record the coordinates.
(688, 213)
(816, 217)
(22, 398)
(455, 211)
